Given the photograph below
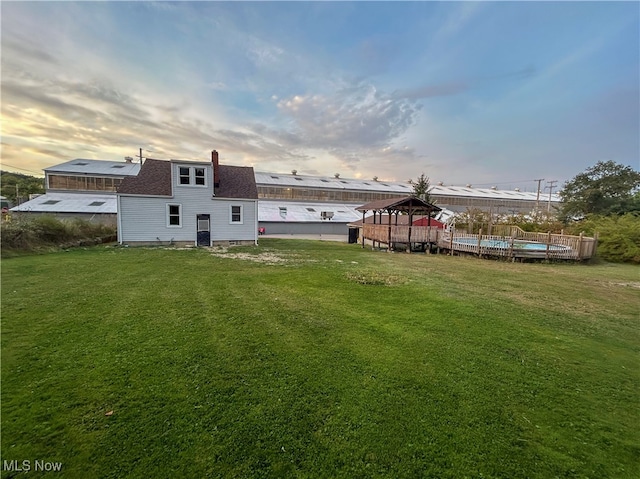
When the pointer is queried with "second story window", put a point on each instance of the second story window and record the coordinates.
(199, 176)
(192, 176)
(185, 177)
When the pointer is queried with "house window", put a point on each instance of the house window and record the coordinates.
(192, 176)
(185, 177)
(199, 176)
(236, 214)
(174, 216)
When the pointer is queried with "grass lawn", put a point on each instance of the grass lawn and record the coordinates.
(314, 359)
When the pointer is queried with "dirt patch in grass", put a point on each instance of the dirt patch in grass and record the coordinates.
(266, 257)
(376, 278)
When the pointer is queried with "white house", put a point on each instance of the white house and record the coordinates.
(188, 203)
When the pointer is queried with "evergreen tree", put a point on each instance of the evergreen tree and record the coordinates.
(422, 188)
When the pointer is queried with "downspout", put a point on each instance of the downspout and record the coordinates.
(255, 229)
(119, 219)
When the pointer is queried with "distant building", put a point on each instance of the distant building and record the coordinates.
(288, 203)
(81, 188)
(299, 204)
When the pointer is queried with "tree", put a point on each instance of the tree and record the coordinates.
(17, 187)
(422, 188)
(607, 188)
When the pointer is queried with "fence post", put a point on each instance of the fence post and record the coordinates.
(548, 243)
(580, 246)
(450, 243)
(479, 242)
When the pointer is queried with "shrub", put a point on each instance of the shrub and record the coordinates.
(27, 233)
(618, 236)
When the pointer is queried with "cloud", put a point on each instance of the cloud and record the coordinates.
(351, 118)
(461, 86)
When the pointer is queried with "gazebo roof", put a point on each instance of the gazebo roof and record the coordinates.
(405, 204)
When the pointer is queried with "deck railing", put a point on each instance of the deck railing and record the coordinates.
(509, 242)
(398, 234)
(557, 246)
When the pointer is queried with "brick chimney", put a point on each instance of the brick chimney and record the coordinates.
(216, 168)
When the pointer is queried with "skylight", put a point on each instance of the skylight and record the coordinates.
(117, 166)
(81, 163)
(311, 209)
(51, 202)
(97, 203)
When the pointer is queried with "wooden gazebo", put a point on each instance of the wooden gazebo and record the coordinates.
(392, 233)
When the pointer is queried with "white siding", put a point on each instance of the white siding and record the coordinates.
(145, 219)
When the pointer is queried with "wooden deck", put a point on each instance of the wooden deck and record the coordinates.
(509, 242)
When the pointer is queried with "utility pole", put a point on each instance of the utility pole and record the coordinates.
(551, 186)
(539, 180)
(140, 156)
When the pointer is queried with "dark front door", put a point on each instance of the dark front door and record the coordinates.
(204, 230)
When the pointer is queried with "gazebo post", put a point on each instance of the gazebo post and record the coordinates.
(429, 230)
(410, 223)
(373, 240)
(389, 232)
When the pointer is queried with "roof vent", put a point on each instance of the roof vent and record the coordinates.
(517, 189)
(294, 172)
(468, 185)
(440, 183)
(128, 159)
(494, 187)
(375, 178)
(337, 175)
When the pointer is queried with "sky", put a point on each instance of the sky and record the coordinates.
(482, 93)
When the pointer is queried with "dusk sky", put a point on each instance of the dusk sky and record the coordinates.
(466, 92)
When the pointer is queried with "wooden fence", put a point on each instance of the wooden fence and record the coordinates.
(399, 234)
(516, 243)
(506, 241)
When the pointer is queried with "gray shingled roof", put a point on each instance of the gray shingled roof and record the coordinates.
(401, 203)
(237, 182)
(154, 179)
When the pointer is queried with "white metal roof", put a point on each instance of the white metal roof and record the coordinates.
(70, 203)
(328, 182)
(307, 212)
(96, 167)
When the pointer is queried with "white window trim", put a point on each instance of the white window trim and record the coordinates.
(179, 215)
(192, 176)
(231, 222)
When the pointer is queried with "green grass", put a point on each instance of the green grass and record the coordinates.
(312, 359)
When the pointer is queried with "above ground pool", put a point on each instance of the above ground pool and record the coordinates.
(517, 244)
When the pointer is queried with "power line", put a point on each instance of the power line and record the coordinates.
(21, 169)
(503, 183)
